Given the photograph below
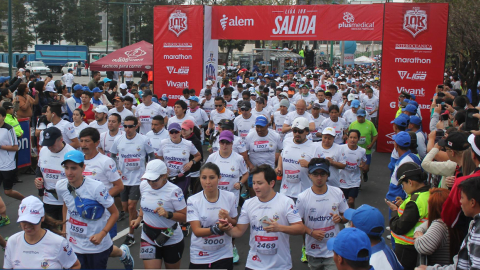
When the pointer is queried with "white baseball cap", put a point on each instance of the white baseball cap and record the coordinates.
(240, 81)
(351, 97)
(300, 123)
(31, 210)
(154, 169)
(329, 131)
(101, 109)
(48, 88)
(209, 82)
(123, 86)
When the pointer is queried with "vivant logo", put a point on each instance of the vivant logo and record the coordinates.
(177, 84)
(177, 22)
(417, 76)
(180, 71)
(224, 21)
(419, 92)
(415, 21)
(349, 22)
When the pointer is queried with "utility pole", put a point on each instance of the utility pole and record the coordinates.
(106, 50)
(10, 58)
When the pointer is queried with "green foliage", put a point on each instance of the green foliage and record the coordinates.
(49, 15)
(22, 37)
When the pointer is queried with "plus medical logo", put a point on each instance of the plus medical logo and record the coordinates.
(349, 22)
(224, 21)
(415, 21)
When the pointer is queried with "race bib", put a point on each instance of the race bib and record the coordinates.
(223, 185)
(147, 251)
(261, 146)
(329, 232)
(213, 242)
(51, 176)
(266, 245)
(144, 118)
(369, 108)
(132, 163)
(362, 140)
(292, 176)
(78, 228)
(174, 165)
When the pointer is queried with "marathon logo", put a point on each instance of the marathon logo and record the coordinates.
(289, 160)
(131, 155)
(177, 57)
(320, 218)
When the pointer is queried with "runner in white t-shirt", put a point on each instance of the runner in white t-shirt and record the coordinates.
(158, 133)
(204, 210)
(245, 121)
(200, 116)
(164, 103)
(208, 103)
(371, 104)
(300, 111)
(321, 219)
(272, 217)
(318, 119)
(34, 247)
(107, 138)
(119, 109)
(87, 233)
(180, 108)
(350, 115)
(131, 149)
(262, 144)
(54, 115)
(280, 116)
(337, 123)
(218, 114)
(101, 117)
(333, 152)
(147, 110)
(238, 143)
(355, 159)
(324, 103)
(161, 208)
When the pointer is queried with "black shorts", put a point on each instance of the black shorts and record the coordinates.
(130, 193)
(169, 254)
(8, 179)
(350, 192)
(54, 211)
(226, 263)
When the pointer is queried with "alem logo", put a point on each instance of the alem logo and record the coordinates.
(349, 22)
(177, 22)
(224, 21)
(417, 76)
(415, 21)
(180, 71)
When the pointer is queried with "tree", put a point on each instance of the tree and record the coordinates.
(90, 33)
(71, 21)
(230, 45)
(49, 16)
(22, 37)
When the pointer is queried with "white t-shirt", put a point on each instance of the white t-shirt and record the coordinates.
(269, 250)
(80, 127)
(204, 250)
(265, 112)
(122, 114)
(232, 105)
(334, 152)
(68, 79)
(340, 126)
(232, 169)
(291, 116)
(279, 120)
(169, 110)
(103, 169)
(315, 209)
(295, 177)
(146, 113)
(131, 157)
(350, 177)
(128, 75)
(238, 145)
(215, 116)
(209, 105)
(7, 158)
(200, 116)
(243, 126)
(156, 138)
(171, 198)
(52, 251)
(100, 128)
(176, 155)
(179, 121)
(370, 104)
(106, 141)
(324, 106)
(261, 150)
(79, 230)
(349, 117)
(67, 129)
(50, 165)
(318, 122)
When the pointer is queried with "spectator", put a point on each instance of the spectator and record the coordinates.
(25, 102)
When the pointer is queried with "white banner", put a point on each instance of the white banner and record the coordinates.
(349, 59)
(210, 50)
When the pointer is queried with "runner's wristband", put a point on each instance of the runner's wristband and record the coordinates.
(214, 229)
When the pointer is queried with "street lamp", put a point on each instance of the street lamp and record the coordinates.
(125, 4)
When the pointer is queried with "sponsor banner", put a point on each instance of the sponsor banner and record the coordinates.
(178, 49)
(310, 22)
(210, 52)
(413, 59)
(24, 153)
(349, 59)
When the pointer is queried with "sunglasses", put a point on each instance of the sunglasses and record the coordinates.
(319, 174)
(174, 131)
(154, 181)
(244, 109)
(299, 131)
(225, 142)
(218, 106)
(128, 126)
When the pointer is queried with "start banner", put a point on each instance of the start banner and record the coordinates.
(413, 60)
(178, 50)
(308, 22)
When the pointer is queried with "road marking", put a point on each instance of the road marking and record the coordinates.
(123, 233)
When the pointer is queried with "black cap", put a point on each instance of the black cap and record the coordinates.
(260, 100)
(147, 93)
(7, 105)
(457, 141)
(208, 92)
(50, 136)
(226, 124)
(246, 105)
(409, 170)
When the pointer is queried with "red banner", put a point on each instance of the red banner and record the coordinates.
(178, 50)
(311, 22)
(413, 59)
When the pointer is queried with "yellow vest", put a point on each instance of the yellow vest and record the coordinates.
(421, 200)
(399, 111)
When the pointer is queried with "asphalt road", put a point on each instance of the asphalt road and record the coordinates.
(372, 193)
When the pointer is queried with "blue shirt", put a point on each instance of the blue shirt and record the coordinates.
(384, 258)
(395, 190)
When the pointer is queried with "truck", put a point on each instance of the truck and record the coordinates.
(56, 56)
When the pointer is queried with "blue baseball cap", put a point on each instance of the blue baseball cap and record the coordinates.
(96, 90)
(164, 98)
(106, 80)
(194, 98)
(366, 218)
(355, 103)
(410, 108)
(70, 70)
(361, 112)
(402, 139)
(154, 99)
(348, 244)
(75, 156)
(261, 121)
(415, 120)
(86, 89)
(413, 102)
(412, 96)
(400, 121)
(77, 87)
(4, 79)
(174, 126)
(259, 74)
(319, 166)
